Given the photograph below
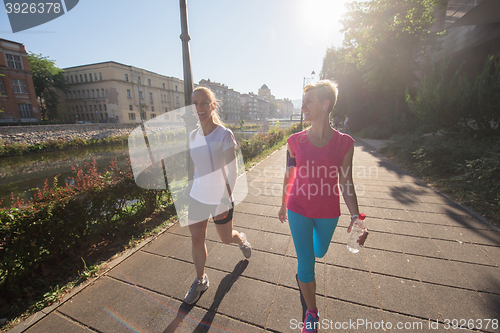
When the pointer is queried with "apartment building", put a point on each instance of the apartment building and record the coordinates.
(265, 93)
(285, 108)
(17, 92)
(230, 106)
(254, 108)
(114, 92)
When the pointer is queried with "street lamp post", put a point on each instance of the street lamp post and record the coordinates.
(303, 85)
(189, 117)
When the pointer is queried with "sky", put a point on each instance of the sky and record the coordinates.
(242, 44)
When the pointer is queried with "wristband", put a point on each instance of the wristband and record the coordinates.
(354, 216)
(290, 161)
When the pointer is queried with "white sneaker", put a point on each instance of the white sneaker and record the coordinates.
(196, 289)
(246, 248)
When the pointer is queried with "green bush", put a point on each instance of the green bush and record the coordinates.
(252, 147)
(456, 105)
(462, 165)
(63, 219)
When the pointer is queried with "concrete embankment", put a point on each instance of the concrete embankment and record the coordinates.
(43, 133)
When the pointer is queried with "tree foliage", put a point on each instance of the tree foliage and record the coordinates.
(383, 45)
(457, 104)
(385, 40)
(49, 81)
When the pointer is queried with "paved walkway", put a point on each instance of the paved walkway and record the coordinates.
(427, 262)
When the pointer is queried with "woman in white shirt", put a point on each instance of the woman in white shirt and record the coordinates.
(213, 151)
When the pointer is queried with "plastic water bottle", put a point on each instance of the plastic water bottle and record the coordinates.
(358, 229)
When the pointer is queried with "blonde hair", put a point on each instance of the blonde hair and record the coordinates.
(325, 89)
(210, 94)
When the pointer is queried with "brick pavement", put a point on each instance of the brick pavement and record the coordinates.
(427, 260)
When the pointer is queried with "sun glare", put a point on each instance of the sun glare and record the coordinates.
(320, 18)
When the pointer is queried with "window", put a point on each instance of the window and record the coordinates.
(93, 93)
(140, 95)
(25, 110)
(149, 82)
(1, 85)
(81, 108)
(86, 108)
(90, 77)
(85, 75)
(95, 76)
(152, 115)
(177, 99)
(164, 86)
(130, 107)
(97, 93)
(102, 117)
(126, 77)
(100, 76)
(71, 77)
(13, 61)
(95, 107)
(79, 96)
(105, 109)
(166, 109)
(100, 107)
(175, 88)
(102, 93)
(131, 116)
(88, 93)
(139, 80)
(129, 94)
(152, 108)
(81, 79)
(143, 115)
(151, 97)
(19, 86)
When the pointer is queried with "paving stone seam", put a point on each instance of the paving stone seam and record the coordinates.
(222, 314)
(444, 253)
(76, 321)
(416, 274)
(373, 282)
(436, 191)
(433, 240)
(454, 265)
(276, 287)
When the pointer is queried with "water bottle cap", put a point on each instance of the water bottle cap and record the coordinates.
(361, 216)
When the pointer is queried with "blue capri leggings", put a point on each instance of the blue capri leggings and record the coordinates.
(311, 238)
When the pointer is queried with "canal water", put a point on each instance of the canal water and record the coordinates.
(21, 175)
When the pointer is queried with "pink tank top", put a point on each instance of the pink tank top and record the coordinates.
(315, 192)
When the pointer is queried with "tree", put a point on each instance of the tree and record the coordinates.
(354, 99)
(386, 40)
(49, 82)
(273, 108)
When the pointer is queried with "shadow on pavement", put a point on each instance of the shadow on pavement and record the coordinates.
(224, 287)
(302, 300)
(405, 195)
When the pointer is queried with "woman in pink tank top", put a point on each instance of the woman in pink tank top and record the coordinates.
(319, 169)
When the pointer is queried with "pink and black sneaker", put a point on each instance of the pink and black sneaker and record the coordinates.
(311, 322)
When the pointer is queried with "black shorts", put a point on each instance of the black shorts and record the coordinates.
(199, 211)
